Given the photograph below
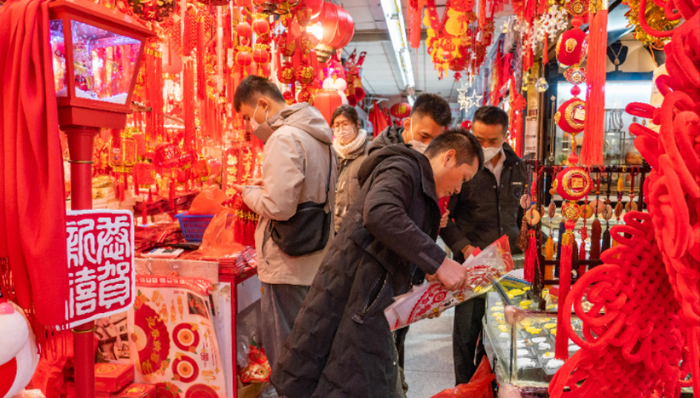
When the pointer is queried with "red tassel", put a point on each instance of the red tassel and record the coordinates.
(545, 50)
(593, 137)
(201, 54)
(189, 107)
(144, 208)
(482, 14)
(561, 347)
(137, 191)
(531, 256)
(582, 257)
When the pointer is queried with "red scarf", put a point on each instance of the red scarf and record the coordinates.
(32, 196)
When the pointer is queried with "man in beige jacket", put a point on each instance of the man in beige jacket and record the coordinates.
(295, 170)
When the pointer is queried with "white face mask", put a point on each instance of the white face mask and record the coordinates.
(418, 146)
(253, 123)
(345, 134)
(490, 152)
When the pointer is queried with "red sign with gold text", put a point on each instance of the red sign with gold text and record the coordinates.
(100, 264)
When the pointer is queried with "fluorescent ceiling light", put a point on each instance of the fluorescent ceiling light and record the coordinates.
(397, 33)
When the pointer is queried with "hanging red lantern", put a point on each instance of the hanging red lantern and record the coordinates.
(244, 31)
(303, 16)
(260, 25)
(285, 74)
(305, 74)
(572, 47)
(328, 101)
(286, 45)
(401, 110)
(288, 97)
(315, 6)
(243, 58)
(338, 29)
(261, 55)
(305, 95)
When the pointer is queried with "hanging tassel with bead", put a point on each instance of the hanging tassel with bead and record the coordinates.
(531, 256)
(594, 135)
(522, 241)
(561, 346)
(606, 239)
(582, 257)
(549, 248)
(596, 230)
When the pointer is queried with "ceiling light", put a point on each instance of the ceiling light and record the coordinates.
(397, 33)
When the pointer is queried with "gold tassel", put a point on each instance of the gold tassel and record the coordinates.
(549, 248)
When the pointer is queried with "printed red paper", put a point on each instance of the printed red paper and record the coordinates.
(100, 264)
(431, 298)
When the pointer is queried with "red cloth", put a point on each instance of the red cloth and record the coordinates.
(378, 120)
(32, 195)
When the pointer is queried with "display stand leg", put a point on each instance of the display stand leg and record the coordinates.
(80, 143)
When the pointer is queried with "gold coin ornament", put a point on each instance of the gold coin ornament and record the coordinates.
(533, 216)
(587, 211)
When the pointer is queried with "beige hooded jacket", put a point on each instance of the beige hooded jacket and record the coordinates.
(295, 170)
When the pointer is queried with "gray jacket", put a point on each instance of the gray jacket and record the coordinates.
(295, 170)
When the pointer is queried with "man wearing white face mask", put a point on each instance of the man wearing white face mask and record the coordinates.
(487, 207)
(299, 172)
(350, 143)
(430, 116)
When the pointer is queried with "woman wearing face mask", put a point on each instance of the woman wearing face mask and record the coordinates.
(350, 143)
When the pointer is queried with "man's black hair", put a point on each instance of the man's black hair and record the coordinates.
(433, 106)
(463, 142)
(492, 115)
(251, 88)
(346, 110)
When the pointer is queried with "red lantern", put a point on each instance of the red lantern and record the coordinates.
(327, 101)
(167, 156)
(261, 55)
(305, 74)
(285, 74)
(288, 97)
(401, 110)
(338, 29)
(244, 31)
(261, 26)
(315, 6)
(572, 47)
(286, 45)
(304, 95)
(352, 100)
(243, 58)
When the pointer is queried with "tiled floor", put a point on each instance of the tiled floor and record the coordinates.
(428, 351)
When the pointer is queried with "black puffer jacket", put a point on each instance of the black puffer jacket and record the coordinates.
(390, 136)
(483, 212)
(341, 345)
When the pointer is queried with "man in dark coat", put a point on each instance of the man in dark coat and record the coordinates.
(341, 345)
(487, 207)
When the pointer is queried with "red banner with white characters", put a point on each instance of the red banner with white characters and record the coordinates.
(100, 264)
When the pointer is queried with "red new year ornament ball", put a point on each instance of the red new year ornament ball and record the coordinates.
(572, 47)
(261, 26)
(401, 110)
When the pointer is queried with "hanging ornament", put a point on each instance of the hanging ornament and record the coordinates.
(244, 57)
(570, 116)
(305, 74)
(285, 74)
(305, 95)
(575, 75)
(541, 85)
(572, 47)
(261, 26)
(261, 54)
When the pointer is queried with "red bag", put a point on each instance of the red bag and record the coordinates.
(478, 387)
(208, 202)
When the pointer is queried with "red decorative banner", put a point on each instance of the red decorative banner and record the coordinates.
(100, 264)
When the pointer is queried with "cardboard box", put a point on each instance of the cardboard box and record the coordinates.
(112, 377)
(137, 390)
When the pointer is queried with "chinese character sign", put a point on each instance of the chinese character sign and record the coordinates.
(100, 264)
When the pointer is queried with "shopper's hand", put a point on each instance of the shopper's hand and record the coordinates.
(467, 251)
(431, 278)
(257, 182)
(444, 219)
(452, 275)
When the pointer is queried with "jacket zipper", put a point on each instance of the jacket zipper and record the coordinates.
(360, 318)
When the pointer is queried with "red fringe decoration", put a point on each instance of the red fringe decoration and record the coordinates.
(482, 14)
(593, 137)
(545, 50)
(531, 256)
(188, 96)
(171, 196)
(201, 54)
(582, 257)
(561, 346)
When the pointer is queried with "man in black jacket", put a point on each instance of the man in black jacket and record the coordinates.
(487, 207)
(341, 344)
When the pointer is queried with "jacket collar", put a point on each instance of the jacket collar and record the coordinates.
(511, 158)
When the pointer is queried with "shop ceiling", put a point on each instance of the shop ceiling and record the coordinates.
(381, 74)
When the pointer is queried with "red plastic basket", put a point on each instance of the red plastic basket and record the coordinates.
(193, 227)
